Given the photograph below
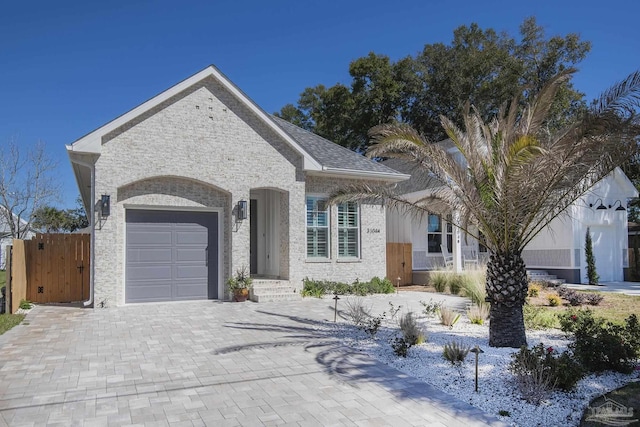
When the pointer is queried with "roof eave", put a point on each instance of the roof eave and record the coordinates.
(359, 174)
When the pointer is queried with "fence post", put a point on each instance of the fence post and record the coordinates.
(18, 275)
(7, 290)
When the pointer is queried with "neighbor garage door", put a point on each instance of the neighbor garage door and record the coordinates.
(171, 255)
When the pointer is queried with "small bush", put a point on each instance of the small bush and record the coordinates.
(410, 330)
(439, 281)
(372, 324)
(538, 370)
(601, 345)
(400, 346)
(24, 304)
(538, 318)
(356, 312)
(314, 288)
(477, 314)
(455, 353)
(455, 283)
(448, 317)
(554, 300)
(593, 299)
(381, 286)
(504, 413)
(534, 290)
(431, 308)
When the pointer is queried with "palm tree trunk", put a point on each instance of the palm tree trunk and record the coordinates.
(506, 287)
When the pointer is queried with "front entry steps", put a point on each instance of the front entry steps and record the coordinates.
(269, 290)
(543, 276)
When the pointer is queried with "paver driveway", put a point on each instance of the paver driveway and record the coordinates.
(205, 363)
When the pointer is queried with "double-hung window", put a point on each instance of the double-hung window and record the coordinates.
(435, 234)
(348, 230)
(317, 227)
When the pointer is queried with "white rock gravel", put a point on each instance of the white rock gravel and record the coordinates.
(496, 389)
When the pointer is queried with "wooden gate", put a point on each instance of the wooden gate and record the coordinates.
(56, 266)
(399, 263)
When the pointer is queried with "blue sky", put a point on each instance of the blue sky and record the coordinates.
(68, 67)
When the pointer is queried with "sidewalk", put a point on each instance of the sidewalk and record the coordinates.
(627, 288)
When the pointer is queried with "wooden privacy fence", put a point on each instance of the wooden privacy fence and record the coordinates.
(50, 268)
(399, 263)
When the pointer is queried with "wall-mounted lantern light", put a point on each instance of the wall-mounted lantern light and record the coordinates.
(242, 210)
(620, 207)
(105, 205)
(600, 207)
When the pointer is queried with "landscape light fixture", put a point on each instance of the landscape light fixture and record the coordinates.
(600, 207)
(242, 210)
(620, 207)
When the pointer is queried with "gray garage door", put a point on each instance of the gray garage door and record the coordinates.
(171, 256)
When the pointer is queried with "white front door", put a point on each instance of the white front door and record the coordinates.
(604, 251)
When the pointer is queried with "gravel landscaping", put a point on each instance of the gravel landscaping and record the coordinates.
(497, 391)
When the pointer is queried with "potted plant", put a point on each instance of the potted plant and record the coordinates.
(240, 284)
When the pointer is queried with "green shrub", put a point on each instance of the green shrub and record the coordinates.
(477, 314)
(439, 281)
(601, 345)
(400, 346)
(554, 300)
(313, 288)
(24, 304)
(455, 353)
(319, 288)
(538, 370)
(538, 317)
(382, 286)
(431, 308)
(455, 283)
(534, 290)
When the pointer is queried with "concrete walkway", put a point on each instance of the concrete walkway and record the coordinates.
(627, 288)
(208, 363)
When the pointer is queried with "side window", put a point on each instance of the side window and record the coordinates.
(348, 230)
(317, 227)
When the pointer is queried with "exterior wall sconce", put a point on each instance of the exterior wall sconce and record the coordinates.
(242, 210)
(105, 205)
(620, 207)
(600, 207)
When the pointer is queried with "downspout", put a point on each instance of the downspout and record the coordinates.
(92, 224)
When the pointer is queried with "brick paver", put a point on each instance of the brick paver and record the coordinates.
(207, 363)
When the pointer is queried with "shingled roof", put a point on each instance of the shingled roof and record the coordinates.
(331, 155)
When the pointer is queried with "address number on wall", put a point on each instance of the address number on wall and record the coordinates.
(373, 230)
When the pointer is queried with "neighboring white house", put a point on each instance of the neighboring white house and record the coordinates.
(199, 181)
(6, 239)
(558, 249)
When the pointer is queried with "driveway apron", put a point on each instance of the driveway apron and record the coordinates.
(206, 363)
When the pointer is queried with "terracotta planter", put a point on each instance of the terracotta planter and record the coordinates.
(240, 295)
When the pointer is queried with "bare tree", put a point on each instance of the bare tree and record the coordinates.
(27, 183)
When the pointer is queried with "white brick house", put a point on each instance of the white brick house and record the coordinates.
(201, 182)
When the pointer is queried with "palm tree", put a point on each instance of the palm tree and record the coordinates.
(517, 176)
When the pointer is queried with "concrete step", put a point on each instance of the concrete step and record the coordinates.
(267, 290)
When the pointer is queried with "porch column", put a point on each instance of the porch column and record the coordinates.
(457, 247)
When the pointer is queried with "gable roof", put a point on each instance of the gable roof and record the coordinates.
(336, 160)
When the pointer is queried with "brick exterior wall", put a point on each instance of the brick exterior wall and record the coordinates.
(203, 149)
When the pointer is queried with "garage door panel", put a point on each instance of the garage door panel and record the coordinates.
(162, 255)
(167, 255)
(191, 272)
(140, 237)
(190, 291)
(194, 255)
(149, 273)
